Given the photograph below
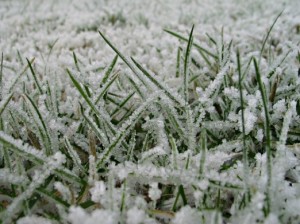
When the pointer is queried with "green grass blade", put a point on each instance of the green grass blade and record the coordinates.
(105, 88)
(76, 61)
(5, 103)
(34, 76)
(75, 157)
(109, 70)
(186, 67)
(122, 104)
(83, 93)
(38, 118)
(178, 62)
(268, 34)
(51, 197)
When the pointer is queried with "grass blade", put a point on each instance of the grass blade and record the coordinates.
(109, 70)
(122, 104)
(186, 66)
(41, 126)
(268, 34)
(5, 103)
(34, 76)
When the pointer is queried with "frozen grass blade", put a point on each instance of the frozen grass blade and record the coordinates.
(50, 196)
(182, 194)
(34, 77)
(75, 158)
(105, 87)
(267, 36)
(178, 62)
(122, 104)
(42, 128)
(99, 133)
(5, 103)
(186, 67)
(83, 93)
(268, 136)
(76, 61)
(109, 70)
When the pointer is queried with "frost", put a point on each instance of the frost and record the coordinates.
(135, 216)
(33, 220)
(187, 215)
(97, 191)
(154, 192)
(78, 216)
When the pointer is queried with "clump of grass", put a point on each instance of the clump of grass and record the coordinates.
(134, 145)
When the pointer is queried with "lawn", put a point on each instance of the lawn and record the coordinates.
(139, 112)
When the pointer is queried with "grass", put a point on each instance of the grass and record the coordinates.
(132, 131)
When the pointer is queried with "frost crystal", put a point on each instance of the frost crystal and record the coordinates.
(135, 216)
(187, 215)
(98, 191)
(154, 192)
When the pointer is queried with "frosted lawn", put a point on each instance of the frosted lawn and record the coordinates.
(125, 112)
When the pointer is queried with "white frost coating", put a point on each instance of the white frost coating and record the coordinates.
(250, 120)
(7, 177)
(154, 152)
(286, 123)
(97, 191)
(187, 215)
(33, 220)
(154, 192)
(78, 216)
(272, 219)
(135, 216)
(259, 135)
(214, 85)
(64, 191)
